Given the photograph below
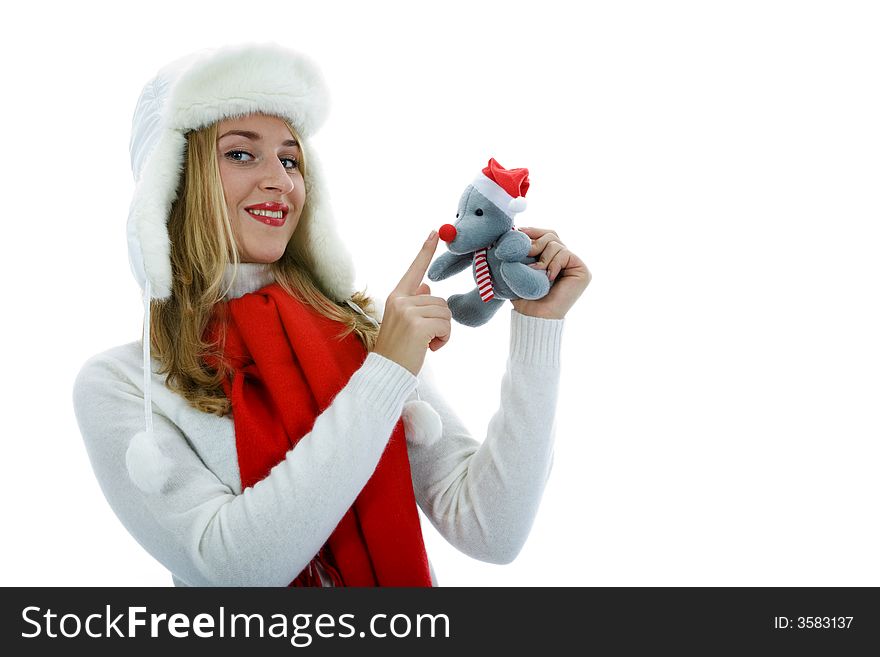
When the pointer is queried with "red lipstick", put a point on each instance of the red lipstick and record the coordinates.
(271, 213)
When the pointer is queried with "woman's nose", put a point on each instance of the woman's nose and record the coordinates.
(447, 232)
(277, 177)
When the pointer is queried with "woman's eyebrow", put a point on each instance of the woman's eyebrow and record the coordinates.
(254, 136)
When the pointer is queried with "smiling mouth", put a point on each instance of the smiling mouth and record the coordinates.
(268, 217)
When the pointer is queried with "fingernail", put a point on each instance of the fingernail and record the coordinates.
(431, 234)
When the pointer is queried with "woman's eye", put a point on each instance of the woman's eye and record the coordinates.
(478, 212)
(294, 163)
(234, 155)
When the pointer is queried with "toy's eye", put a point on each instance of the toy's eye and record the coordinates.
(479, 212)
(456, 215)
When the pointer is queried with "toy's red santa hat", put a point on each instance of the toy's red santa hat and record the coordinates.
(505, 188)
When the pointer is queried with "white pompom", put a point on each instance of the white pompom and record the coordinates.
(517, 205)
(421, 422)
(147, 466)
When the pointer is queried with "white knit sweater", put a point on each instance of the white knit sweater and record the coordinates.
(481, 496)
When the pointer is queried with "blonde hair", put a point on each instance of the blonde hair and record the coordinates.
(202, 245)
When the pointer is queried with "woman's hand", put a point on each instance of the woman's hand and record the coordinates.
(568, 273)
(414, 321)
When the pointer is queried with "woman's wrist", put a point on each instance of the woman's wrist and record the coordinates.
(538, 309)
(538, 315)
(535, 340)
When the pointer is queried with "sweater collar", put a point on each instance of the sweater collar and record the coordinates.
(251, 276)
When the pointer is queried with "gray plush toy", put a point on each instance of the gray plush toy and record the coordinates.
(484, 235)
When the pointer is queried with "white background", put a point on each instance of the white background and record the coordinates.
(714, 164)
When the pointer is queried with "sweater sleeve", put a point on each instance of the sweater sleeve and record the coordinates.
(197, 526)
(483, 498)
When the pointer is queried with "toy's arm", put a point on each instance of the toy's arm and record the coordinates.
(448, 264)
(513, 246)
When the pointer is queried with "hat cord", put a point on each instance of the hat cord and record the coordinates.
(148, 401)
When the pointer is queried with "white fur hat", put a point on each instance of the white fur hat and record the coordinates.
(203, 88)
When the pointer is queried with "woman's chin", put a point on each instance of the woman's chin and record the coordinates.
(266, 255)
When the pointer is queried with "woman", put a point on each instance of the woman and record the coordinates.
(290, 435)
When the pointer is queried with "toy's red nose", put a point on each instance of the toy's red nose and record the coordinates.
(447, 232)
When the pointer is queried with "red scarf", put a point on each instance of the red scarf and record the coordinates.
(288, 366)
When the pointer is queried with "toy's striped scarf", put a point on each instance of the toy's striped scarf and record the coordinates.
(481, 271)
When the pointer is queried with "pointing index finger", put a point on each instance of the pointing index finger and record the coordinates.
(411, 280)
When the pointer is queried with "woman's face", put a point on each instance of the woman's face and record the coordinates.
(262, 183)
